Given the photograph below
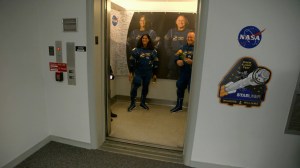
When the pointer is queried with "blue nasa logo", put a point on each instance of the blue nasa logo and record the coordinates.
(250, 36)
(114, 20)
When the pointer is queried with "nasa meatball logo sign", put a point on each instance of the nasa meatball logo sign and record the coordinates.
(114, 20)
(250, 37)
(245, 84)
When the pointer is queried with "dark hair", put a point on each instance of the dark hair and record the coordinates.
(149, 45)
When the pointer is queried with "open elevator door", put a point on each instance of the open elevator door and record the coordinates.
(123, 21)
(100, 61)
(110, 22)
(108, 69)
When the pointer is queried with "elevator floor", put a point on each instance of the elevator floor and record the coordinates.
(155, 126)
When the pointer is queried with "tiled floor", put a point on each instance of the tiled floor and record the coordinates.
(156, 126)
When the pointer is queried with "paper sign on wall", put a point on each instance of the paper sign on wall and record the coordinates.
(61, 67)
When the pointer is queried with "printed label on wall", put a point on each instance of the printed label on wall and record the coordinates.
(250, 37)
(60, 67)
(245, 84)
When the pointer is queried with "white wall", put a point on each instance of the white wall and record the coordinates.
(236, 135)
(32, 104)
(66, 105)
(23, 121)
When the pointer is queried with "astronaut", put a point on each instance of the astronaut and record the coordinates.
(136, 34)
(143, 64)
(184, 59)
(173, 41)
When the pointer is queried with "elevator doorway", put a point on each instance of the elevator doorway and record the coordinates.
(156, 126)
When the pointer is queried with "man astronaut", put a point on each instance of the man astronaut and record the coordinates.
(173, 41)
(184, 60)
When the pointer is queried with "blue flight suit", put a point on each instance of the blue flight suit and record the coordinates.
(173, 41)
(143, 63)
(185, 71)
(134, 37)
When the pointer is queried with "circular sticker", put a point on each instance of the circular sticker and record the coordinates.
(114, 20)
(250, 36)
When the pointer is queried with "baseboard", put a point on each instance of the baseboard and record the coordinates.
(71, 142)
(208, 165)
(44, 142)
(28, 153)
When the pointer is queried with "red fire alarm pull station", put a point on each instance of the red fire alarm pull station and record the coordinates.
(59, 76)
(59, 68)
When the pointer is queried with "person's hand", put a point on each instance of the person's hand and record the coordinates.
(130, 76)
(179, 52)
(180, 63)
(154, 78)
(188, 61)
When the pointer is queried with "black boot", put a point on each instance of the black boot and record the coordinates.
(113, 115)
(178, 106)
(143, 103)
(132, 105)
